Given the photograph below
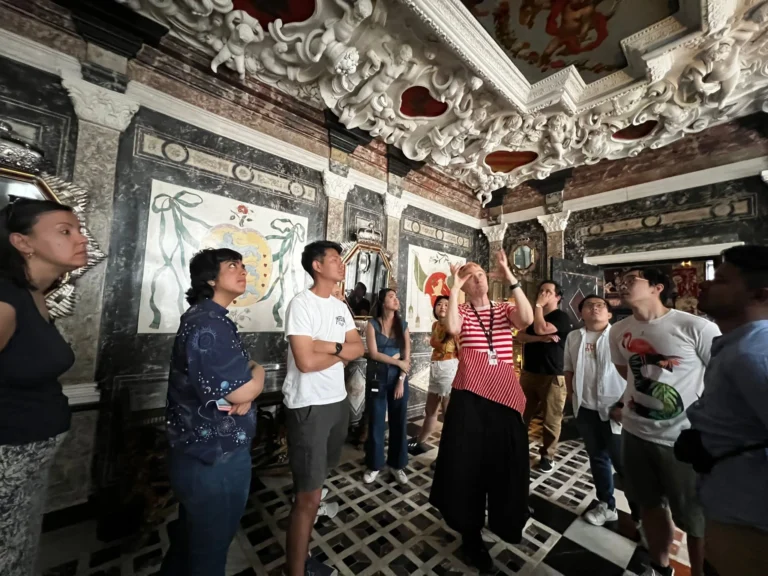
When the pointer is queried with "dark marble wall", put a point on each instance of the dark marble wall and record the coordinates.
(528, 231)
(448, 236)
(713, 214)
(717, 213)
(364, 206)
(40, 110)
(189, 157)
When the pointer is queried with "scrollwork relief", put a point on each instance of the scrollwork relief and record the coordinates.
(359, 57)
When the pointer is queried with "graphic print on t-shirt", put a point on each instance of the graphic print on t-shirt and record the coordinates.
(654, 400)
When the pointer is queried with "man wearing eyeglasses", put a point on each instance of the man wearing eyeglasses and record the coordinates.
(663, 354)
(595, 386)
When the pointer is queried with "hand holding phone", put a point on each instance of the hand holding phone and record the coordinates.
(223, 405)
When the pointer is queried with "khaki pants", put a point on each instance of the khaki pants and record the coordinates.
(547, 390)
(736, 550)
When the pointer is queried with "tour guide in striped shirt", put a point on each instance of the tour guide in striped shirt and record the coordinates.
(484, 445)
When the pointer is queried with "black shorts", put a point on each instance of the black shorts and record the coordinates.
(316, 435)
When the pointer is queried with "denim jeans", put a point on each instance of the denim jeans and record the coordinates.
(212, 500)
(377, 404)
(604, 449)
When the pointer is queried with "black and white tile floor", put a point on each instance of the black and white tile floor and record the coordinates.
(388, 529)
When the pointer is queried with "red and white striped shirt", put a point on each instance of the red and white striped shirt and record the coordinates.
(497, 383)
(472, 335)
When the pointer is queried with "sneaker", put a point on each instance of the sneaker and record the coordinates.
(400, 476)
(546, 465)
(476, 554)
(370, 476)
(329, 509)
(416, 448)
(323, 494)
(601, 514)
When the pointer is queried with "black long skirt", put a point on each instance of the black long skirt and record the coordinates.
(483, 457)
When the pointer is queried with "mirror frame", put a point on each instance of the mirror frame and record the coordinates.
(511, 256)
(20, 161)
(352, 248)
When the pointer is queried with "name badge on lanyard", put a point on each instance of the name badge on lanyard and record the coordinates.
(493, 357)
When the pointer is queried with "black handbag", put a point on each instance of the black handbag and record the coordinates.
(690, 449)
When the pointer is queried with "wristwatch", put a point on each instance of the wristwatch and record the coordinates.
(515, 286)
(338, 348)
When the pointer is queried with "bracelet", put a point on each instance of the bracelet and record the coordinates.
(515, 286)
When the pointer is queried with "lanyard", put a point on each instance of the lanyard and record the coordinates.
(488, 333)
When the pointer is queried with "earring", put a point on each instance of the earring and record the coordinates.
(30, 255)
(212, 284)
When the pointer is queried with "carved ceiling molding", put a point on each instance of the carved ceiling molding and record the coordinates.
(706, 65)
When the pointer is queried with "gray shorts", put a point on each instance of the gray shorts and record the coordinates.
(316, 435)
(653, 477)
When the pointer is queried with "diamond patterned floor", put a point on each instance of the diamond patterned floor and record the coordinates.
(387, 529)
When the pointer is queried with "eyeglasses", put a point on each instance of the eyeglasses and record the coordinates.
(596, 306)
(630, 280)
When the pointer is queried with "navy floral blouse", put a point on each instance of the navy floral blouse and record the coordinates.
(208, 362)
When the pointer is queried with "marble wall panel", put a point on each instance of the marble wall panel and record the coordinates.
(363, 207)
(713, 214)
(39, 109)
(158, 148)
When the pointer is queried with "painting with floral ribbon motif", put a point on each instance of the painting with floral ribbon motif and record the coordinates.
(183, 221)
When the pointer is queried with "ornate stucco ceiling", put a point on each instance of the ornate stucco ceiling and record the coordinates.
(427, 77)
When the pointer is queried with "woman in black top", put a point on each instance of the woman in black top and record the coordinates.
(40, 241)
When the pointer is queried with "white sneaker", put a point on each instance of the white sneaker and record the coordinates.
(601, 514)
(323, 494)
(400, 476)
(329, 509)
(370, 476)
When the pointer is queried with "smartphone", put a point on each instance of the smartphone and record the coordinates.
(223, 405)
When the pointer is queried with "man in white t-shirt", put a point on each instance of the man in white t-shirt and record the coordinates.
(663, 354)
(322, 339)
(595, 386)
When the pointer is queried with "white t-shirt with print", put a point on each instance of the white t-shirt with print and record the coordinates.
(665, 360)
(589, 390)
(326, 319)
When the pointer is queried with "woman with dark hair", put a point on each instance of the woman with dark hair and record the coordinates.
(389, 353)
(40, 241)
(442, 371)
(209, 418)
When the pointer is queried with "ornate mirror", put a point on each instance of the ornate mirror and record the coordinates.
(523, 256)
(22, 176)
(368, 270)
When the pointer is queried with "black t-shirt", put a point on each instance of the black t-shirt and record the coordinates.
(362, 307)
(547, 357)
(32, 404)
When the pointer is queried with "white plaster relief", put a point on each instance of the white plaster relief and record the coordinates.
(554, 222)
(495, 233)
(336, 186)
(98, 105)
(394, 206)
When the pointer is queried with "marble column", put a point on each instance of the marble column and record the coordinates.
(495, 235)
(336, 189)
(554, 225)
(393, 207)
(102, 116)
